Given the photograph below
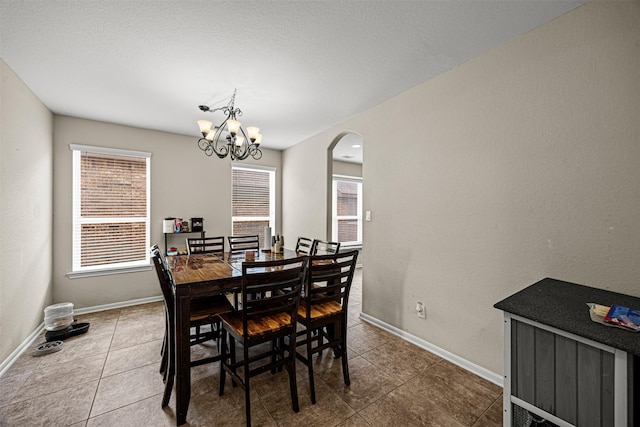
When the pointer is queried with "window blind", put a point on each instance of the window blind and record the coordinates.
(252, 200)
(111, 208)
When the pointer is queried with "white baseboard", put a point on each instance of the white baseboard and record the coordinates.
(6, 364)
(115, 305)
(457, 360)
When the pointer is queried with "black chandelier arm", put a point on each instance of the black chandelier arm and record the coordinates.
(255, 152)
(209, 148)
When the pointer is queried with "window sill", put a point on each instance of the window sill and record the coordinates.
(107, 272)
(351, 246)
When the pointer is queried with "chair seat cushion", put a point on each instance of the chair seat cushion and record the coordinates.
(257, 327)
(318, 311)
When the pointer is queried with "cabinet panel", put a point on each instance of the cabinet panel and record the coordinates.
(608, 391)
(524, 386)
(589, 386)
(566, 379)
(545, 370)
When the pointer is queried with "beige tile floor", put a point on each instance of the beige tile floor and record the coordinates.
(109, 377)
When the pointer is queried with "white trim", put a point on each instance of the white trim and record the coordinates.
(507, 415)
(6, 364)
(254, 167)
(13, 357)
(130, 303)
(272, 194)
(107, 150)
(347, 177)
(335, 218)
(456, 360)
(620, 388)
(107, 272)
(78, 220)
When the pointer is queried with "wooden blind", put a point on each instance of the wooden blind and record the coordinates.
(252, 201)
(113, 185)
(111, 210)
(250, 193)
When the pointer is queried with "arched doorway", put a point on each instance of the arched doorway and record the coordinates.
(344, 189)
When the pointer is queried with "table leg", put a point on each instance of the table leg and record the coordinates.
(183, 358)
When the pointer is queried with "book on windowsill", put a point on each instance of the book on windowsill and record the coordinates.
(624, 316)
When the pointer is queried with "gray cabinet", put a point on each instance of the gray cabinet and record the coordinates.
(562, 367)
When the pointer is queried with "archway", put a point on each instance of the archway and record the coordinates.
(345, 153)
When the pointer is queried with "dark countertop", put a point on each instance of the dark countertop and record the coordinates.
(563, 305)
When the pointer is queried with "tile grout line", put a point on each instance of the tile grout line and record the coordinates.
(93, 401)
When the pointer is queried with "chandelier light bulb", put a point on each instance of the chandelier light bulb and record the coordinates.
(233, 126)
(205, 126)
(239, 141)
(258, 139)
(253, 132)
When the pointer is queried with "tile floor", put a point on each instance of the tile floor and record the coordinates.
(109, 377)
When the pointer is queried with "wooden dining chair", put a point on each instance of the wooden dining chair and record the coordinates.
(204, 311)
(304, 246)
(268, 319)
(323, 247)
(201, 245)
(323, 310)
(243, 243)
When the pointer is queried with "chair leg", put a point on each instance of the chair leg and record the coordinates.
(164, 350)
(232, 353)
(273, 356)
(165, 357)
(223, 359)
(247, 388)
(170, 372)
(291, 368)
(343, 353)
(312, 385)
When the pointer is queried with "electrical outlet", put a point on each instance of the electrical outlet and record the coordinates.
(420, 311)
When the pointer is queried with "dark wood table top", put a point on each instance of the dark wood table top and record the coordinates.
(188, 270)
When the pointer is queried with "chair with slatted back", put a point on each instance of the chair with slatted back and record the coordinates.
(204, 311)
(239, 244)
(265, 320)
(199, 245)
(323, 247)
(304, 246)
(237, 247)
(323, 309)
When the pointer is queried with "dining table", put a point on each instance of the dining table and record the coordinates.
(197, 276)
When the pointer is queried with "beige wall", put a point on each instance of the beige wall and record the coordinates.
(184, 183)
(26, 207)
(521, 164)
(347, 168)
(304, 191)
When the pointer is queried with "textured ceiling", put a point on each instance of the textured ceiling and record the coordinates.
(299, 66)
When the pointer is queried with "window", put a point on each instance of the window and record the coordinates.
(347, 210)
(253, 196)
(110, 209)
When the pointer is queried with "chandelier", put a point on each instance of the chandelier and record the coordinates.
(229, 139)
